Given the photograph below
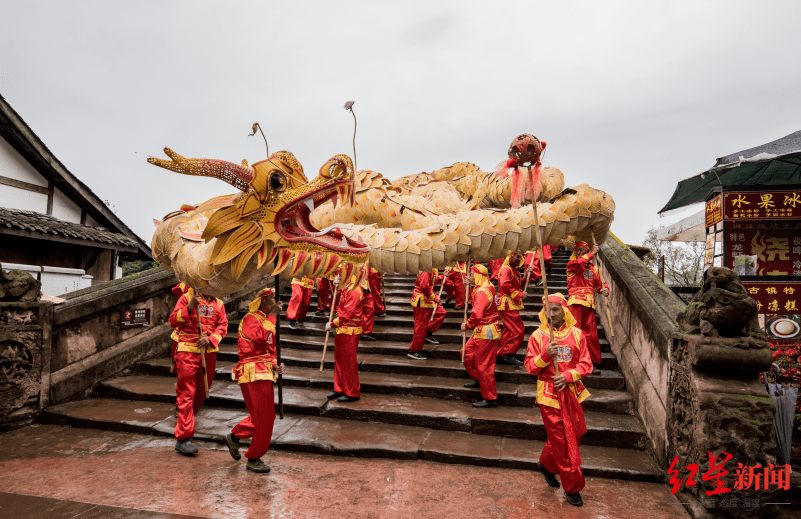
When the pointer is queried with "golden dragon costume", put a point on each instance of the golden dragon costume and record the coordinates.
(418, 222)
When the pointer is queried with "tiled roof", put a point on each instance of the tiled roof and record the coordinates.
(42, 223)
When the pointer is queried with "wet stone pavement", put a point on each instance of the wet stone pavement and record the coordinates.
(57, 471)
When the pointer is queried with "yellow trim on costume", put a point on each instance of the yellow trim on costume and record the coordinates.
(587, 300)
(349, 330)
(178, 317)
(191, 347)
(490, 332)
(305, 282)
(507, 303)
(538, 360)
(335, 322)
(216, 336)
(421, 301)
(249, 373)
(574, 375)
(542, 399)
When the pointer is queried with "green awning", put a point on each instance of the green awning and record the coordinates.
(773, 171)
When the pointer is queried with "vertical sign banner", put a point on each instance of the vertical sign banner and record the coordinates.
(714, 211)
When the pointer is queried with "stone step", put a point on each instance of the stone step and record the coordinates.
(385, 332)
(433, 351)
(446, 388)
(606, 429)
(322, 435)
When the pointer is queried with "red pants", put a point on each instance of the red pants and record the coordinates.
(423, 325)
(375, 290)
(479, 361)
(585, 319)
(368, 314)
(299, 303)
(454, 288)
(323, 294)
(258, 425)
(512, 333)
(554, 455)
(189, 391)
(346, 367)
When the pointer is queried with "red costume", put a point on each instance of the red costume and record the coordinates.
(323, 294)
(301, 298)
(348, 326)
(255, 374)
(495, 267)
(375, 290)
(423, 302)
(368, 308)
(583, 279)
(454, 285)
(532, 260)
(482, 348)
(190, 391)
(510, 302)
(560, 454)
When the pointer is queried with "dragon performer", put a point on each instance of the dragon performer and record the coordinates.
(418, 222)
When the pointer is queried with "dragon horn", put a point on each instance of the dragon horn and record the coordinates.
(237, 175)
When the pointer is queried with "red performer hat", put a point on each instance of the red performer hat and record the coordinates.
(581, 244)
(570, 321)
(478, 268)
(254, 305)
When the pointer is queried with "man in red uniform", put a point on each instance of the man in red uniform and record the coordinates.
(424, 302)
(510, 303)
(256, 372)
(190, 390)
(495, 267)
(323, 296)
(532, 263)
(569, 348)
(299, 302)
(348, 326)
(481, 349)
(454, 285)
(375, 290)
(368, 312)
(582, 279)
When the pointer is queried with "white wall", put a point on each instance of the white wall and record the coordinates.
(64, 209)
(12, 165)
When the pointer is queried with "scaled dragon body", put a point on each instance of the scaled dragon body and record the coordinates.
(419, 222)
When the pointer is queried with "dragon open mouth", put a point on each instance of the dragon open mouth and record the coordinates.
(294, 223)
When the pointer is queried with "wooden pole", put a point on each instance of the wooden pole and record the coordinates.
(600, 297)
(277, 285)
(544, 279)
(444, 273)
(202, 350)
(331, 318)
(466, 300)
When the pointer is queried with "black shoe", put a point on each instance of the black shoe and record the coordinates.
(384, 314)
(512, 360)
(500, 359)
(473, 385)
(416, 355)
(459, 308)
(334, 395)
(574, 498)
(233, 446)
(293, 324)
(595, 369)
(550, 477)
(369, 337)
(257, 466)
(430, 338)
(346, 398)
(185, 447)
(537, 282)
(300, 323)
(486, 403)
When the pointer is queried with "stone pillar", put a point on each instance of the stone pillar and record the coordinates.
(717, 404)
(25, 331)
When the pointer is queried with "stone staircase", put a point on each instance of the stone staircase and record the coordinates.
(409, 409)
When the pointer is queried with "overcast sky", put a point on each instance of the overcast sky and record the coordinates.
(630, 96)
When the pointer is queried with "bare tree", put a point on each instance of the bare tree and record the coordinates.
(684, 261)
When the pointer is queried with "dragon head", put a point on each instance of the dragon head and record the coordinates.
(269, 218)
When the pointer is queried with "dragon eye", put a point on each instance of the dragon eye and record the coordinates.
(277, 182)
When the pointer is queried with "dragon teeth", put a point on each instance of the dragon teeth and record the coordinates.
(310, 204)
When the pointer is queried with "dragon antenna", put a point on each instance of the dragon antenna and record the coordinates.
(257, 126)
(349, 107)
